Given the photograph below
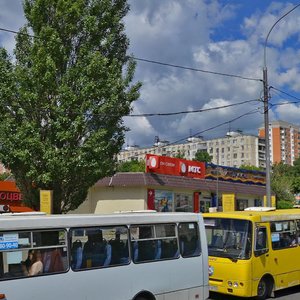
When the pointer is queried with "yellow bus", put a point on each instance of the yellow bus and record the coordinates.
(253, 253)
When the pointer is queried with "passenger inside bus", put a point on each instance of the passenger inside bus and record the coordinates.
(119, 250)
(36, 266)
(52, 258)
(148, 249)
(96, 251)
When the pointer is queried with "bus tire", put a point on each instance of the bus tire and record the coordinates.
(264, 289)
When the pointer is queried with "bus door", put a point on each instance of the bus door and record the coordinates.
(261, 261)
(285, 253)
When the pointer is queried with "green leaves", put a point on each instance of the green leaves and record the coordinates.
(63, 98)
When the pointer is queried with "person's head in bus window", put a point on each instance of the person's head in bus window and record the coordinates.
(36, 264)
(261, 240)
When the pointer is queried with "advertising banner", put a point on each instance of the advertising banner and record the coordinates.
(174, 166)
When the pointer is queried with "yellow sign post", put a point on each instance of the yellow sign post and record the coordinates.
(46, 201)
(273, 201)
(228, 202)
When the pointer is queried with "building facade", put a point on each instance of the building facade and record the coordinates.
(284, 140)
(233, 150)
(167, 193)
(173, 184)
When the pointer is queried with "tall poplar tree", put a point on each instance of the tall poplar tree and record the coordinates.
(63, 96)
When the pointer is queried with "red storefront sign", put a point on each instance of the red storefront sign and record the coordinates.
(174, 166)
(9, 192)
(11, 196)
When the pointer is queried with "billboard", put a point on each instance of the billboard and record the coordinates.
(174, 166)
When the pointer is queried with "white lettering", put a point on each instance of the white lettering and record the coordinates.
(194, 169)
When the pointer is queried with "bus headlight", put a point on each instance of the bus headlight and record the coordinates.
(229, 283)
(211, 270)
(235, 284)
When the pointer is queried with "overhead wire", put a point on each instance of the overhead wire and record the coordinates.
(192, 111)
(194, 69)
(161, 63)
(216, 126)
(185, 68)
(285, 93)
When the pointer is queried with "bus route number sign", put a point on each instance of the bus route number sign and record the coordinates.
(9, 241)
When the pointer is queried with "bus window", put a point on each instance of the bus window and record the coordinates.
(189, 239)
(261, 246)
(230, 238)
(153, 242)
(20, 252)
(96, 247)
(284, 234)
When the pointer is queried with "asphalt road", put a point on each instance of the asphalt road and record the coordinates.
(287, 294)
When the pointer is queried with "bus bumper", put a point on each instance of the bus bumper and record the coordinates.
(235, 288)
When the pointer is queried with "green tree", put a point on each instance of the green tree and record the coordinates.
(179, 154)
(132, 166)
(281, 185)
(4, 176)
(202, 156)
(296, 176)
(250, 168)
(63, 97)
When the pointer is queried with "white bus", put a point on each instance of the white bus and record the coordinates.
(137, 256)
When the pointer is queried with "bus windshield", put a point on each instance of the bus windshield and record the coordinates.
(230, 238)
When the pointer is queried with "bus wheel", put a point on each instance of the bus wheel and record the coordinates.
(264, 289)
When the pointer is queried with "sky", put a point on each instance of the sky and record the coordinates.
(219, 36)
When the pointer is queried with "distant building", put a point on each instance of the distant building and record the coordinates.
(233, 150)
(284, 141)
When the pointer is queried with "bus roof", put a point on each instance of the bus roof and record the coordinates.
(258, 216)
(21, 221)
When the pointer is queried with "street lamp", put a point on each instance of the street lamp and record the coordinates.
(266, 109)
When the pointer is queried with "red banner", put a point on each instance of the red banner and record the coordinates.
(174, 166)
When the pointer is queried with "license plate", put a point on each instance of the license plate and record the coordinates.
(213, 288)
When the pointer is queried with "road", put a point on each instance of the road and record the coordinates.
(287, 294)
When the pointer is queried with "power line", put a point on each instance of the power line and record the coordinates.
(163, 63)
(194, 69)
(216, 126)
(191, 111)
(16, 32)
(285, 93)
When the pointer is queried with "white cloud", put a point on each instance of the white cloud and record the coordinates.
(188, 33)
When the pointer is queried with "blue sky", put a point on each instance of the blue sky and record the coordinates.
(217, 35)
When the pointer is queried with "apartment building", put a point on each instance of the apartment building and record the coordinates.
(284, 140)
(164, 148)
(233, 150)
(237, 149)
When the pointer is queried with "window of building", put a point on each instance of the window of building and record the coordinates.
(242, 204)
(184, 202)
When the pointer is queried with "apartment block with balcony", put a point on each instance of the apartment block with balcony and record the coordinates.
(233, 150)
(237, 149)
(284, 140)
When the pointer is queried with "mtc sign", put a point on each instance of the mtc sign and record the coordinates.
(174, 166)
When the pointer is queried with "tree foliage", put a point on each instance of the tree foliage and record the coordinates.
(202, 156)
(281, 185)
(63, 96)
(5, 176)
(132, 166)
(250, 168)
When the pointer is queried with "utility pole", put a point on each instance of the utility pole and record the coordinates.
(267, 140)
(266, 110)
